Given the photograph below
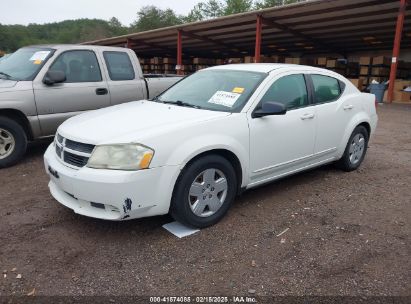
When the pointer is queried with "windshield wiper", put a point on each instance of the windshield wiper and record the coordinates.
(7, 75)
(180, 103)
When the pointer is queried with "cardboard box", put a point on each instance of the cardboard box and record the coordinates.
(322, 61)
(380, 71)
(365, 60)
(358, 82)
(248, 59)
(333, 63)
(381, 60)
(399, 96)
(364, 70)
(169, 60)
(400, 84)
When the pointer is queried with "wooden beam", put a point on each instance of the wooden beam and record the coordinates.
(133, 42)
(209, 40)
(285, 28)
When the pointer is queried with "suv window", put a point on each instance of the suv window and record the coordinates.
(326, 88)
(289, 90)
(119, 66)
(79, 66)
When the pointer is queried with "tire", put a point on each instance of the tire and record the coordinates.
(13, 142)
(355, 150)
(204, 192)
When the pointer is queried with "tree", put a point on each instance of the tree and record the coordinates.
(206, 10)
(151, 17)
(237, 6)
(272, 3)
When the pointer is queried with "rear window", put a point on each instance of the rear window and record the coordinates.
(326, 88)
(119, 66)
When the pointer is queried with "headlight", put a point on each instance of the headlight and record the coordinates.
(121, 157)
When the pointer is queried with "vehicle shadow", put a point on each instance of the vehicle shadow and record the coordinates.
(279, 188)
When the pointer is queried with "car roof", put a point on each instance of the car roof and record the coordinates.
(74, 46)
(269, 67)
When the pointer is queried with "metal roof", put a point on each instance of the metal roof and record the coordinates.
(317, 26)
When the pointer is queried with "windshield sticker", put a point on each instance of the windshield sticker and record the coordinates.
(223, 98)
(37, 62)
(238, 90)
(39, 56)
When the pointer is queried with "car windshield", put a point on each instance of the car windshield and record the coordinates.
(217, 90)
(25, 63)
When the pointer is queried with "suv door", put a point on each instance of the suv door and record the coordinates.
(333, 113)
(280, 144)
(124, 83)
(85, 89)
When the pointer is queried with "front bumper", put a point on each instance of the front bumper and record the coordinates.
(111, 194)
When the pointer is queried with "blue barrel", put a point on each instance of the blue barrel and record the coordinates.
(378, 90)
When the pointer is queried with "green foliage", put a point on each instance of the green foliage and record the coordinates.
(13, 37)
(150, 17)
(237, 6)
(271, 3)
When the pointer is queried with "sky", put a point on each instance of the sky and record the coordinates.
(45, 11)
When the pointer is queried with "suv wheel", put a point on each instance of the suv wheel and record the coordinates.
(13, 142)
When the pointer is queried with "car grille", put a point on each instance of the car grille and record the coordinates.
(73, 153)
(75, 160)
(77, 146)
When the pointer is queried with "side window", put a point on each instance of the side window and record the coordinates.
(289, 90)
(119, 66)
(326, 89)
(79, 66)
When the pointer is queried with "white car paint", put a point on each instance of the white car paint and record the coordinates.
(267, 148)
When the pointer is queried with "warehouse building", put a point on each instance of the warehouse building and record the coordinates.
(364, 40)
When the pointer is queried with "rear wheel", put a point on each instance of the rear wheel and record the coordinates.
(204, 192)
(355, 150)
(13, 142)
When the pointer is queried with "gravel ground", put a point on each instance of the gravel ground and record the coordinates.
(349, 234)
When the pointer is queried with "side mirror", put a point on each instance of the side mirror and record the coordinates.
(270, 108)
(53, 77)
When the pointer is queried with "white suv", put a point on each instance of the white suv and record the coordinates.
(217, 132)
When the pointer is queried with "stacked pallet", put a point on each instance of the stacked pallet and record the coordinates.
(399, 94)
(336, 66)
(265, 59)
(299, 60)
(366, 70)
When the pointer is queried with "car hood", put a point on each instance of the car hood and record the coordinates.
(6, 84)
(132, 122)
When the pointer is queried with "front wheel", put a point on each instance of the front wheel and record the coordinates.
(355, 150)
(204, 192)
(13, 142)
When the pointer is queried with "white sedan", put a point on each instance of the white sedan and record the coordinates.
(220, 131)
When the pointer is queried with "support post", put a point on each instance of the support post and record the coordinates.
(396, 49)
(128, 43)
(179, 53)
(259, 27)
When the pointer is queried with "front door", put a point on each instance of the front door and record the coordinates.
(84, 89)
(280, 144)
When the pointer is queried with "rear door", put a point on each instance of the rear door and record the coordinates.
(85, 89)
(124, 81)
(334, 111)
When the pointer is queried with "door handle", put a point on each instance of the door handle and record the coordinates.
(348, 107)
(307, 116)
(101, 91)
